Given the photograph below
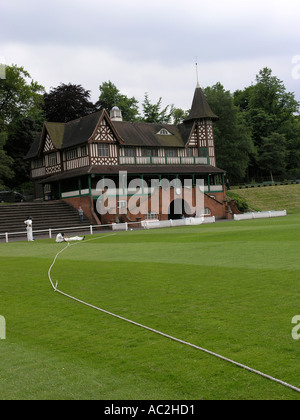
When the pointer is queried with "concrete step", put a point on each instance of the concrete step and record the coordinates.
(46, 215)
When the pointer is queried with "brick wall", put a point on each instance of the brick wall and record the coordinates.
(87, 205)
(215, 202)
(161, 200)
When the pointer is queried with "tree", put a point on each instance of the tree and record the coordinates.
(267, 105)
(233, 142)
(268, 108)
(152, 113)
(20, 137)
(272, 155)
(178, 115)
(6, 162)
(293, 149)
(20, 96)
(20, 100)
(67, 102)
(110, 96)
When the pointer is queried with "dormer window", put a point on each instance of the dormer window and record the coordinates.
(164, 132)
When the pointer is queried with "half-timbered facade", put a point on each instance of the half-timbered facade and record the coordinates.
(69, 159)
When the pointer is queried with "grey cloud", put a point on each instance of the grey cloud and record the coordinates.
(137, 33)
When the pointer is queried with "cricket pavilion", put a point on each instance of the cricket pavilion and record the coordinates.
(131, 167)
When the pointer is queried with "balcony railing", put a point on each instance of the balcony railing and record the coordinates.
(162, 160)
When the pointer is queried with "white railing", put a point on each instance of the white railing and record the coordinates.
(146, 224)
(259, 215)
(162, 160)
(48, 232)
(213, 188)
(188, 221)
(201, 161)
(127, 160)
(187, 160)
(74, 193)
(170, 160)
(76, 163)
(143, 160)
(35, 173)
(158, 160)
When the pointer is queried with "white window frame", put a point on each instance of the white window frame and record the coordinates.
(52, 159)
(103, 150)
(164, 132)
(122, 204)
(151, 215)
(71, 154)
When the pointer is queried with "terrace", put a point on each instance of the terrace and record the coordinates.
(163, 160)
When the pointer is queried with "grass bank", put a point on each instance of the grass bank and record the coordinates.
(280, 197)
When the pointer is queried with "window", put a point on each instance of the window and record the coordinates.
(171, 152)
(205, 212)
(147, 152)
(83, 151)
(52, 159)
(164, 132)
(203, 152)
(129, 152)
(103, 150)
(191, 151)
(38, 163)
(122, 204)
(71, 154)
(151, 215)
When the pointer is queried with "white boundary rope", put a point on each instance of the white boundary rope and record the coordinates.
(159, 332)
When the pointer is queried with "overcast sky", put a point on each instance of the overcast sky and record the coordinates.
(151, 45)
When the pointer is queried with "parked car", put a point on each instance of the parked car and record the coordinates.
(11, 197)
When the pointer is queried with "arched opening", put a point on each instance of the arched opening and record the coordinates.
(179, 208)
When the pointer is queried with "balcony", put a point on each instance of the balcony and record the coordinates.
(162, 160)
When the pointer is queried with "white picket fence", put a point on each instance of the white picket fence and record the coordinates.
(259, 215)
(154, 224)
(146, 224)
(47, 232)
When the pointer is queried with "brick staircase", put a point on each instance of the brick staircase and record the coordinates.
(45, 215)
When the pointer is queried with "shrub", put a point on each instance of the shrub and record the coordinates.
(241, 203)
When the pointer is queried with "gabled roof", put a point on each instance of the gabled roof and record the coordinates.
(70, 134)
(56, 132)
(147, 134)
(112, 129)
(200, 107)
(80, 130)
(34, 149)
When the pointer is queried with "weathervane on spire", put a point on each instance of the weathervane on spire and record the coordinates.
(197, 76)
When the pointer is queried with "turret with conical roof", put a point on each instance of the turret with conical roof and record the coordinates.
(200, 107)
(201, 117)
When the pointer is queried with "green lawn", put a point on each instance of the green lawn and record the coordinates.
(280, 197)
(230, 287)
